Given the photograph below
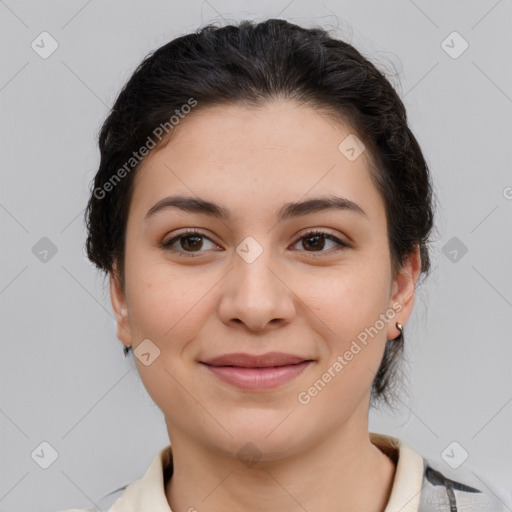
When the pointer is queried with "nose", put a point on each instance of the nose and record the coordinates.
(256, 293)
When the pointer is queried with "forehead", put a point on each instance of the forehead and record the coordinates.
(278, 152)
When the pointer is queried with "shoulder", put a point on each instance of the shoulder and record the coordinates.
(424, 485)
(148, 489)
(460, 490)
(110, 501)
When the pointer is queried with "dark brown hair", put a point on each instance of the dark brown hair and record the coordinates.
(251, 63)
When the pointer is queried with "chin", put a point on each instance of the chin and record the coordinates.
(262, 441)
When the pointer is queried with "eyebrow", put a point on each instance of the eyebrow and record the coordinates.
(289, 210)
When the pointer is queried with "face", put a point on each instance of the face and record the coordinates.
(255, 280)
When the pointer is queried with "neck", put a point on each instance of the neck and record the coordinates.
(342, 472)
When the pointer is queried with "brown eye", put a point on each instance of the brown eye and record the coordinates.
(187, 243)
(191, 242)
(315, 241)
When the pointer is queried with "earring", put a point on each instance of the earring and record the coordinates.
(400, 327)
(126, 349)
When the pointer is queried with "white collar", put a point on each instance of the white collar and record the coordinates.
(407, 484)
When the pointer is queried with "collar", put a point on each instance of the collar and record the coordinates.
(148, 492)
(408, 482)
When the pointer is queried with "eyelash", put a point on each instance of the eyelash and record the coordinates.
(189, 232)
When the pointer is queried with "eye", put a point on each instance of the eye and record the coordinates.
(316, 240)
(190, 241)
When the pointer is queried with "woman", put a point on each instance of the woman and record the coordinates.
(263, 212)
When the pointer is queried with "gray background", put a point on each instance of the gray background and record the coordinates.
(63, 377)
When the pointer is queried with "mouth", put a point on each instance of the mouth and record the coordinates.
(258, 378)
(268, 360)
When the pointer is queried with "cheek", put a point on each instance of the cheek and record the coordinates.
(350, 302)
(165, 309)
(353, 337)
(162, 303)
(346, 299)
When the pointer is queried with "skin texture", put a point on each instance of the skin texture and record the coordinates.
(292, 298)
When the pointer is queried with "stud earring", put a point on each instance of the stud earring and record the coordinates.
(400, 327)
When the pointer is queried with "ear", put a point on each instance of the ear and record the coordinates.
(403, 290)
(118, 300)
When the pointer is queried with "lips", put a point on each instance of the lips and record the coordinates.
(268, 360)
(258, 379)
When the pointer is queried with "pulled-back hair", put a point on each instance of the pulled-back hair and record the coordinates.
(249, 64)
